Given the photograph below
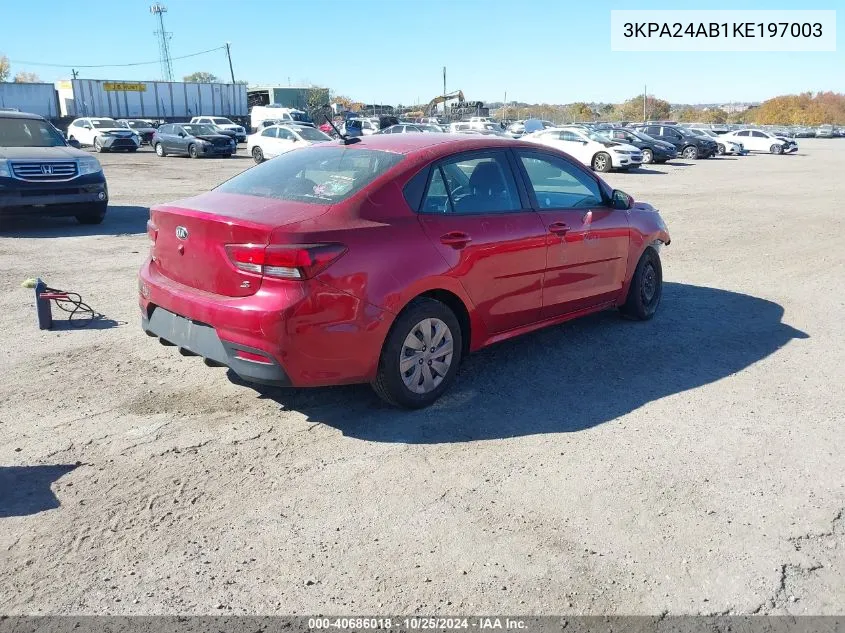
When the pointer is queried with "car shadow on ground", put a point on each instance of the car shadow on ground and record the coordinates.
(25, 490)
(62, 324)
(571, 377)
(119, 220)
(646, 170)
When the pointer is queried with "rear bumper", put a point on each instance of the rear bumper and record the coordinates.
(311, 334)
(202, 340)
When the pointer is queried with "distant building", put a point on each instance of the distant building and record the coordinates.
(733, 108)
(284, 96)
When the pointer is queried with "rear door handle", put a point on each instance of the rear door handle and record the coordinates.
(455, 239)
(558, 228)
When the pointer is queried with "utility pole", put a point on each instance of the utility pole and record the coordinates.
(645, 92)
(229, 55)
(74, 72)
(444, 91)
(505, 106)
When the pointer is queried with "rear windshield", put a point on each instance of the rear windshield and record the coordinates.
(322, 175)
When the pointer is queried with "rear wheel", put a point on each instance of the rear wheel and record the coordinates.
(257, 154)
(193, 152)
(601, 162)
(160, 150)
(690, 152)
(648, 156)
(776, 149)
(646, 288)
(93, 214)
(421, 355)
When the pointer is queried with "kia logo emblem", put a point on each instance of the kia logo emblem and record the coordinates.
(181, 232)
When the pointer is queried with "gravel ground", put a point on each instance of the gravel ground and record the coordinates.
(691, 464)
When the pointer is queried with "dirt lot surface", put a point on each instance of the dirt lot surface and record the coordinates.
(691, 464)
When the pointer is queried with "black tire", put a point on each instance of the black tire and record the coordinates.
(132, 149)
(661, 161)
(690, 152)
(646, 288)
(389, 384)
(648, 157)
(257, 155)
(160, 150)
(776, 149)
(602, 162)
(720, 149)
(94, 213)
(192, 151)
(98, 147)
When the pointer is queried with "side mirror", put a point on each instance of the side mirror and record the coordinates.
(621, 200)
(294, 139)
(87, 127)
(583, 142)
(74, 143)
(182, 135)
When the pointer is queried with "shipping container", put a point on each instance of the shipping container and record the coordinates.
(149, 99)
(35, 98)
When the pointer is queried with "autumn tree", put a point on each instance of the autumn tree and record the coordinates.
(632, 109)
(5, 68)
(580, 112)
(27, 78)
(201, 77)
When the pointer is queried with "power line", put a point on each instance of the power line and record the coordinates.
(158, 61)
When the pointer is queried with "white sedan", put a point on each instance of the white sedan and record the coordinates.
(278, 139)
(590, 148)
(723, 145)
(761, 141)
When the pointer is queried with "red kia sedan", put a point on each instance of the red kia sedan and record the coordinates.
(386, 259)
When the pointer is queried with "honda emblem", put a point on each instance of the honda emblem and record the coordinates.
(47, 170)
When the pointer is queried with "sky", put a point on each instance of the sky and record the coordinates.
(393, 51)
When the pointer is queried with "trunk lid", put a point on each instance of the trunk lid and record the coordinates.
(192, 234)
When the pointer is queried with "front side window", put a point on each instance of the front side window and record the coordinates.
(284, 134)
(559, 184)
(317, 174)
(759, 135)
(743, 133)
(270, 131)
(195, 129)
(477, 183)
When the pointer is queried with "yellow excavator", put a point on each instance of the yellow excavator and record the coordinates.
(458, 95)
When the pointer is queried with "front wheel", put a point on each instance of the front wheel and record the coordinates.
(98, 146)
(421, 355)
(776, 149)
(720, 149)
(94, 213)
(160, 150)
(648, 156)
(602, 162)
(690, 152)
(257, 155)
(646, 288)
(193, 152)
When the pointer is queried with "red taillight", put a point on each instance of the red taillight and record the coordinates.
(152, 231)
(294, 261)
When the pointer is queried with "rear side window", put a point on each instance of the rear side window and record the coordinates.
(477, 183)
(319, 175)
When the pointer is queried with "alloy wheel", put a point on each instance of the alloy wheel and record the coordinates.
(426, 355)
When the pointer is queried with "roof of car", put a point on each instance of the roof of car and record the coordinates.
(438, 143)
(11, 114)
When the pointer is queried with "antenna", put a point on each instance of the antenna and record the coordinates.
(163, 43)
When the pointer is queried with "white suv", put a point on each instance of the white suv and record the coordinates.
(103, 135)
(223, 123)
